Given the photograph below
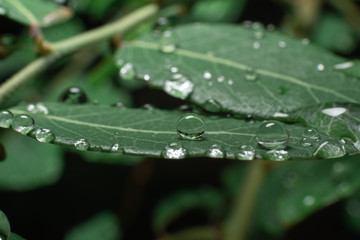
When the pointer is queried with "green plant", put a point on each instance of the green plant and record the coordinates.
(253, 93)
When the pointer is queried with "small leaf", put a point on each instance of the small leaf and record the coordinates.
(173, 206)
(28, 164)
(153, 132)
(104, 225)
(245, 75)
(35, 12)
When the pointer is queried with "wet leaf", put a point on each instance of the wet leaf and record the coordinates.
(153, 133)
(245, 72)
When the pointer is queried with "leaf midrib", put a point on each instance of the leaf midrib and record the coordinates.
(218, 60)
(24, 11)
(82, 123)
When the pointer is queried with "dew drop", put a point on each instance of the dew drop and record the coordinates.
(250, 74)
(118, 105)
(330, 149)
(174, 69)
(247, 24)
(207, 75)
(215, 151)
(220, 79)
(3, 11)
(245, 152)
(6, 118)
(23, 123)
(334, 112)
(162, 24)
(117, 148)
(272, 135)
(309, 200)
(212, 105)
(4, 226)
(82, 144)
(311, 134)
(308, 142)
(256, 45)
(74, 95)
(270, 27)
(127, 72)
(258, 34)
(344, 65)
(168, 42)
(44, 135)
(282, 44)
(148, 106)
(276, 155)
(179, 86)
(305, 41)
(146, 77)
(174, 151)
(230, 82)
(320, 67)
(190, 127)
(38, 108)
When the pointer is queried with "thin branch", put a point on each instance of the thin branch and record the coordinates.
(65, 47)
(240, 220)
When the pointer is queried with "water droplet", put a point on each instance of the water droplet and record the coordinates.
(258, 34)
(207, 75)
(309, 200)
(174, 69)
(307, 142)
(179, 86)
(276, 155)
(38, 108)
(215, 151)
(256, 45)
(250, 74)
(245, 152)
(44, 135)
(271, 27)
(6, 118)
(74, 95)
(162, 24)
(281, 115)
(257, 26)
(4, 226)
(272, 135)
(23, 123)
(282, 44)
(305, 41)
(320, 67)
(247, 24)
(3, 11)
(191, 127)
(148, 106)
(116, 148)
(168, 42)
(334, 112)
(220, 79)
(212, 105)
(344, 65)
(146, 77)
(127, 72)
(174, 151)
(330, 149)
(311, 133)
(82, 144)
(118, 105)
(230, 82)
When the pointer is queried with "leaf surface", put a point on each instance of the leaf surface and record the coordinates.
(217, 58)
(41, 13)
(150, 132)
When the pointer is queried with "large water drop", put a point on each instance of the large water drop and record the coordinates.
(179, 86)
(44, 135)
(272, 135)
(74, 95)
(215, 151)
(190, 127)
(174, 151)
(23, 123)
(6, 118)
(245, 152)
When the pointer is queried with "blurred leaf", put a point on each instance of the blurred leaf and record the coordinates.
(352, 211)
(14, 236)
(42, 13)
(15, 61)
(294, 190)
(63, 30)
(334, 33)
(153, 132)
(29, 164)
(220, 69)
(4, 226)
(96, 10)
(104, 226)
(173, 206)
(217, 10)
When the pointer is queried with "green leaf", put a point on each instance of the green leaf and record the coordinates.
(173, 206)
(352, 211)
(35, 12)
(14, 236)
(150, 132)
(217, 58)
(104, 225)
(28, 164)
(295, 190)
(4, 226)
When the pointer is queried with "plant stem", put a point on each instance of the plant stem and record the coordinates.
(65, 47)
(240, 219)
